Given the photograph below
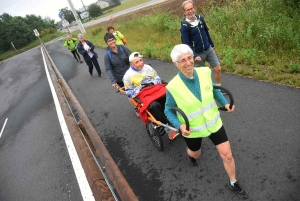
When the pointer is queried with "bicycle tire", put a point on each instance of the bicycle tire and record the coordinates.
(155, 136)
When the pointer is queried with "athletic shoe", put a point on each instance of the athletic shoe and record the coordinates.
(223, 92)
(192, 160)
(100, 75)
(242, 193)
(173, 134)
(91, 75)
(80, 61)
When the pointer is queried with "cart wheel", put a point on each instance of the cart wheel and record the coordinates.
(154, 136)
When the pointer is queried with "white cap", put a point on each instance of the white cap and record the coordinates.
(134, 55)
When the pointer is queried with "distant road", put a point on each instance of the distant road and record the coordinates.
(129, 10)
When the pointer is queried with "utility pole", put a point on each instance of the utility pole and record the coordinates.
(80, 25)
(85, 9)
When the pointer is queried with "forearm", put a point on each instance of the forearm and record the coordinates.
(218, 96)
(170, 114)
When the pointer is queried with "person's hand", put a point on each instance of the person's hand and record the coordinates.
(184, 131)
(115, 85)
(214, 48)
(228, 109)
(198, 58)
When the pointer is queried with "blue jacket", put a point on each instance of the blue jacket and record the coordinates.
(197, 37)
(84, 53)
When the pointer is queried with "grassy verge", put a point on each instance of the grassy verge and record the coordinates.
(33, 44)
(255, 39)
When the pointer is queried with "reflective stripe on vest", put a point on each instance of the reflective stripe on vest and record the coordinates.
(203, 116)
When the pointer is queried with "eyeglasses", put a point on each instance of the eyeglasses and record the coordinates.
(190, 9)
(184, 61)
(110, 40)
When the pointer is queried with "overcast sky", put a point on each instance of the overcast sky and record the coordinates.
(43, 8)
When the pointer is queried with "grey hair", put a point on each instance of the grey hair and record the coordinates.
(186, 2)
(80, 35)
(180, 49)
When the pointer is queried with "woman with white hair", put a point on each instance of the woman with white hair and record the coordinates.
(86, 48)
(192, 91)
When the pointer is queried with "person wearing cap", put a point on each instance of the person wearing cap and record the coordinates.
(118, 35)
(115, 60)
(142, 81)
(192, 91)
(86, 49)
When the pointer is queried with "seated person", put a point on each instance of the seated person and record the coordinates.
(136, 78)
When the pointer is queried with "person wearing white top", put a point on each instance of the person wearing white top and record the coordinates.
(86, 48)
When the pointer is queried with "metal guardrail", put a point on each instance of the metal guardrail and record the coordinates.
(87, 142)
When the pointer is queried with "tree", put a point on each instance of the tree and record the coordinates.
(68, 14)
(19, 32)
(4, 19)
(94, 10)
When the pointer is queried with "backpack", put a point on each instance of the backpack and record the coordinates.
(72, 40)
(126, 60)
(109, 54)
(184, 22)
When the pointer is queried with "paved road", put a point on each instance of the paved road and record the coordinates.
(264, 134)
(34, 161)
(123, 12)
(263, 131)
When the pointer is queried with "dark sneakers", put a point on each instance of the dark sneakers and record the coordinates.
(242, 193)
(192, 161)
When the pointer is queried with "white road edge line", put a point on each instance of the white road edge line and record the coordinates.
(3, 127)
(84, 186)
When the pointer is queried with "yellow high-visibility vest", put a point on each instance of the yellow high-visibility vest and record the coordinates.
(204, 117)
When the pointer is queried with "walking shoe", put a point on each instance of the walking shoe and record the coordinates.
(100, 75)
(91, 75)
(80, 61)
(173, 135)
(223, 92)
(192, 160)
(242, 193)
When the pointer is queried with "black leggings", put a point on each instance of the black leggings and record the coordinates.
(74, 52)
(157, 109)
(194, 144)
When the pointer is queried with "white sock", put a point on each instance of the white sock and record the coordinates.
(218, 84)
(232, 183)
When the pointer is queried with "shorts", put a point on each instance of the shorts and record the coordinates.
(209, 56)
(194, 144)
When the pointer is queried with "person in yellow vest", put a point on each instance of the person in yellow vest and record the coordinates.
(118, 35)
(192, 91)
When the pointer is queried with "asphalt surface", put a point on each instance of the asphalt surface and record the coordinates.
(34, 161)
(123, 12)
(263, 132)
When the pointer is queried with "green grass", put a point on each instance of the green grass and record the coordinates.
(33, 44)
(258, 39)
